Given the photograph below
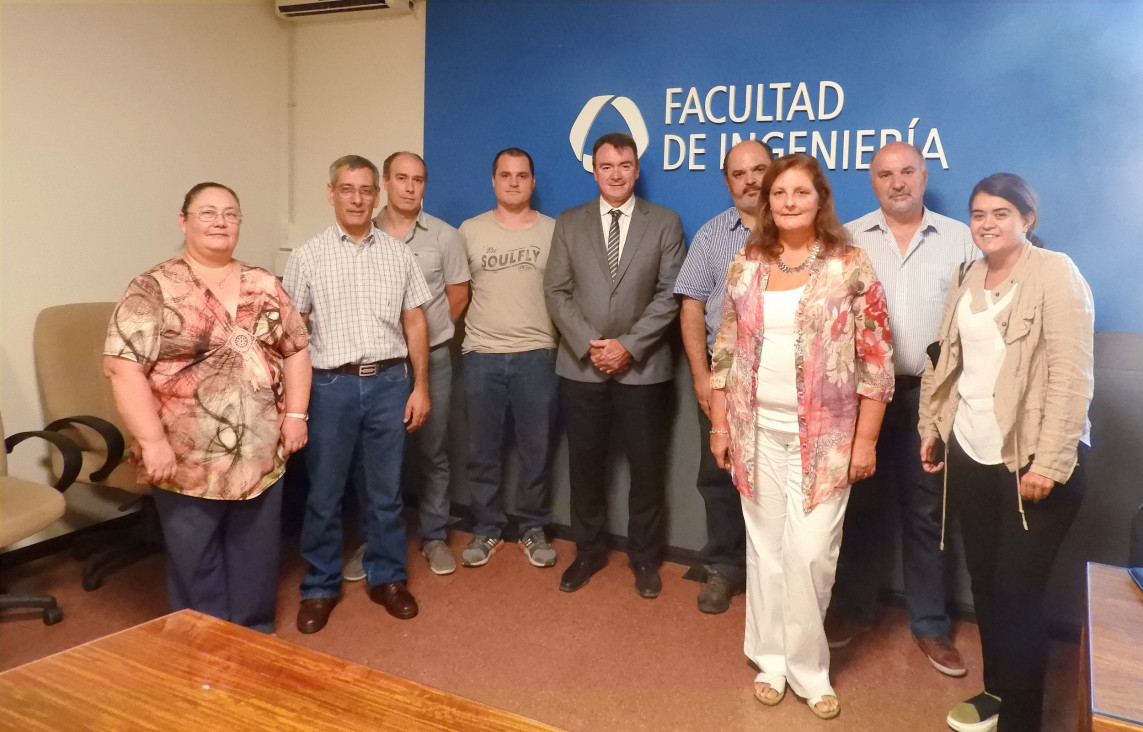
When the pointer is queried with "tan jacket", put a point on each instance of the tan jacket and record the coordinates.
(1045, 383)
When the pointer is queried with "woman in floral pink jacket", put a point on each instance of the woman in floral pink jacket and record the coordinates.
(801, 373)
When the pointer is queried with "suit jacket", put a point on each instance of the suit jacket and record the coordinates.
(636, 308)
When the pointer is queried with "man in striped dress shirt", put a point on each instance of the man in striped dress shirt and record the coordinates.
(915, 252)
(361, 291)
(701, 284)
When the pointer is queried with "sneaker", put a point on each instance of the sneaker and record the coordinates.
(439, 557)
(536, 547)
(978, 714)
(479, 550)
(714, 597)
(354, 570)
(841, 631)
(942, 654)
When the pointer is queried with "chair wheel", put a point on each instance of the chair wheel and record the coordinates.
(52, 615)
(91, 583)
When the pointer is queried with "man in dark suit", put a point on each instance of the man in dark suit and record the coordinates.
(608, 287)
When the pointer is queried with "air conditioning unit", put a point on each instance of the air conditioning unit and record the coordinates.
(341, 9)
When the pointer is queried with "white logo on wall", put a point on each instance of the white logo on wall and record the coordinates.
(582, 125)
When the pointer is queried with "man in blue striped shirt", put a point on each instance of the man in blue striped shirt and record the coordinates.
(915, 252)
(701, 283)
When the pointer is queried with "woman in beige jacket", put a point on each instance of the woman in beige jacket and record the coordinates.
(1007, 391)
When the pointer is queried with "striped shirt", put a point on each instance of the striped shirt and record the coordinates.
(917, 282)
(355, 295)
(703, 276)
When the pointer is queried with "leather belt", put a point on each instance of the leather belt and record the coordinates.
(906, 381)
(366, 369)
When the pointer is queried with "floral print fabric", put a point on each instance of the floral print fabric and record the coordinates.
(216, 380)
(843, 351)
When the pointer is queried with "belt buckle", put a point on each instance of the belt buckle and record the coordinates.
(369, 369)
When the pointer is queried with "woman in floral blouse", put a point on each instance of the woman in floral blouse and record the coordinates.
(209, 365)
(801, 374)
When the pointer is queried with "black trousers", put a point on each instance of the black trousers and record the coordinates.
(1009, 568)
(601, 417)
(725, 550)
(222, 556)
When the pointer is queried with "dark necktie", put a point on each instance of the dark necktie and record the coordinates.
(613, 242)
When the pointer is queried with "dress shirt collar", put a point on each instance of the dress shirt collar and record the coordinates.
(421, 224)
(370, 238)
(736, 220)
(627, 208)
(928, 222)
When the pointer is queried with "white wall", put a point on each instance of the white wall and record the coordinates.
(110, 112)
(358, 87)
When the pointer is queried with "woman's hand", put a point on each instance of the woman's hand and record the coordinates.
(929, 455)
(720, 448)
(862, 460)
(158, 464)
(1035, 487)
(294, 434)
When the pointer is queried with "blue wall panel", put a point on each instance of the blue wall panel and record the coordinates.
(1052, 91)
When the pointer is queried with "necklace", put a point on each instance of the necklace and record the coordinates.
(808, 260)
(201, 272)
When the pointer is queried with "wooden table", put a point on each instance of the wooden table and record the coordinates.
(1111, 678)
(189, 671)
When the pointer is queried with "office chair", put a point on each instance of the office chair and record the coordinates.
(27, 507)
(77, 402)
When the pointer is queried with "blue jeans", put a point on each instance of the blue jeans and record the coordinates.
(355, 418)
(429, 448)
(526, 383)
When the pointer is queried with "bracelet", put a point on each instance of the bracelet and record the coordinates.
(720, 432)
(297, 415)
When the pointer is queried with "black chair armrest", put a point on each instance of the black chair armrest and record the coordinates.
(72, 457)
(111, 437)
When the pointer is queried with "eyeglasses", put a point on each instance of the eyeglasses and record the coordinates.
(348, 191)
(208, 215)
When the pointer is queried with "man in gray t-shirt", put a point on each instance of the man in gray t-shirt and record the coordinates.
(509, 361)
(439, 251)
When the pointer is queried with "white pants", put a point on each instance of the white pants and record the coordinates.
(791, 558)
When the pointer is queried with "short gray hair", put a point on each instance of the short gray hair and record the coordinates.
(353, 162)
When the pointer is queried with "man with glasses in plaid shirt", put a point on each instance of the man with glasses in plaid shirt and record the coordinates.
(361, 292)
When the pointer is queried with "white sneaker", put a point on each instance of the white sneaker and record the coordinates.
(354, 570)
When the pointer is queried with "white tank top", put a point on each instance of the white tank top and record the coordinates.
(982, 349)
(776, 389)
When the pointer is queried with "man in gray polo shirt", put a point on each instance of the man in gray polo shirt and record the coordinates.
(439, 251)
(915, 252)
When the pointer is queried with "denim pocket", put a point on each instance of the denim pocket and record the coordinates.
(394, 374)
(325, 378)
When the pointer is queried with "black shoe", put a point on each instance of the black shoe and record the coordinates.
(581, 570)
(647, 581)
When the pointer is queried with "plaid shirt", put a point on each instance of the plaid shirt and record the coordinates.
(355, 295)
